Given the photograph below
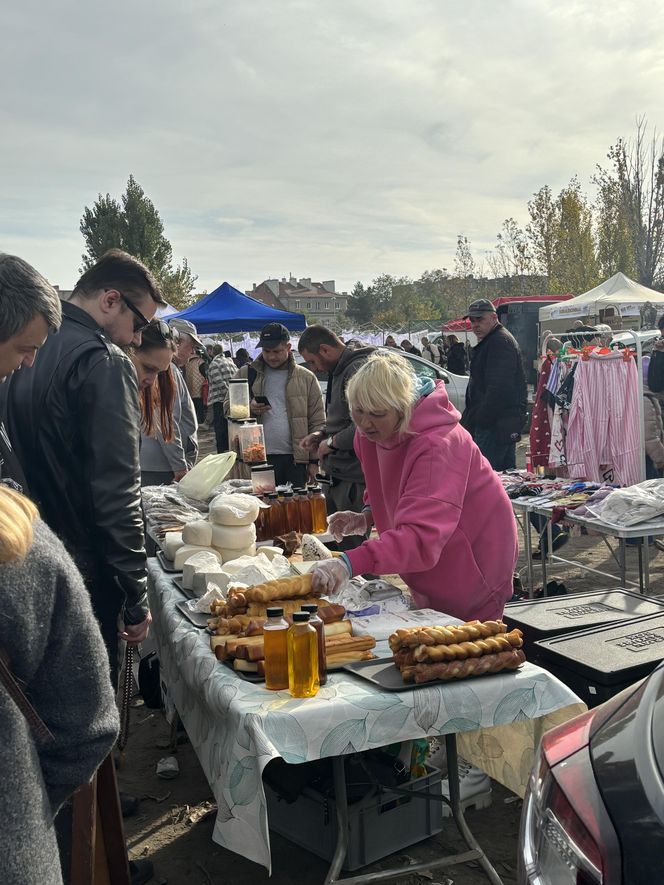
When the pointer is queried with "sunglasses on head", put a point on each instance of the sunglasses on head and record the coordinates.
(163, 331)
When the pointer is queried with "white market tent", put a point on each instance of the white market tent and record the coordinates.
(625, 296)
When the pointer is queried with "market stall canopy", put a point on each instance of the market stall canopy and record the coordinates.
(229, 310)
(165, 311)
(462, 325)
(625, 296)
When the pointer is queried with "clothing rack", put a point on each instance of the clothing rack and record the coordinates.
(562, 336)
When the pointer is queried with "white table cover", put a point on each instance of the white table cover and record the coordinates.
(237, 727)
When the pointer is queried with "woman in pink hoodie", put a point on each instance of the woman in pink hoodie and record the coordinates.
(443, 519)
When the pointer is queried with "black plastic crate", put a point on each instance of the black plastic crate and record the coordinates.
(599, 663)
(559, 615)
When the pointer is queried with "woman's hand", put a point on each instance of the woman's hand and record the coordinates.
(347, 522)
(329, 575)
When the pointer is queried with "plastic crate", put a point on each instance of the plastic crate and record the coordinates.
(379, 825)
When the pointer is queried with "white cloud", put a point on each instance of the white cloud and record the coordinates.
(328, 140)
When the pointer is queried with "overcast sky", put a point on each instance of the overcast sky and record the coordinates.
(332, 140)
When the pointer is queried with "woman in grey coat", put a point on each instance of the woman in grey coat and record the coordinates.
(52, 643)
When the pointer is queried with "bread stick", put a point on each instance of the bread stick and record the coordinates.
(491, 663)
(471, 649)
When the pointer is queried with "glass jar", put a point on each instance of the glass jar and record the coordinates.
(234, 435)
(277, 520)
(315, 621)
(292, 510)
(252, 444)
(275, 633)
(318, 510)
(238, 399)
(263, 479)
(304, 506)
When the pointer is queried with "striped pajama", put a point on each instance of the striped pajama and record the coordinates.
(603, 442)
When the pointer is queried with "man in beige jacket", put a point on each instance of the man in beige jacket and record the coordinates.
(287, 400)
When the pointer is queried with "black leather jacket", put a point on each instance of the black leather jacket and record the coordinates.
(73, 419)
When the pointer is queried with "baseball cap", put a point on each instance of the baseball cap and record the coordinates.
(273, 334)
(187, 328)
(479, 308)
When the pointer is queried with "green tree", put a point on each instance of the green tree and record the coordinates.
(512, 260)
(362, 305)
(542, 231)
(574, 266)
(136, 226)
(615, 249)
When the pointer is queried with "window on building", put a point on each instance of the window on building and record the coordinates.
(336, 305)
(297, 304)
(318, 305)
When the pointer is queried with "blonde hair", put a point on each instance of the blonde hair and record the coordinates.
(17, 514)
(385, 381)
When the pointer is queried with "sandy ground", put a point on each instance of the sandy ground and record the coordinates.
(172, 830)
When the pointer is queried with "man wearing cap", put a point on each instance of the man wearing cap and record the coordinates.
(287, 400)
(496, 398)
(189, 361)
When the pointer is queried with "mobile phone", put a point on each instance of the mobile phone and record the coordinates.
(262, 400)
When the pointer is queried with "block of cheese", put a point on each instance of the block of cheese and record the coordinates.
(214, 574)
(270, 552)
(201, 561)
(188, 550)
(313, 549)
(198, 532)
(233, 537)
(171, 543)
(230, 555)
(234, 510)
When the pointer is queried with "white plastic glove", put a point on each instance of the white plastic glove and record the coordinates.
(347, 522)
(329, 575)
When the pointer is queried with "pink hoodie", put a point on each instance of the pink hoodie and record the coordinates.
(444, 521)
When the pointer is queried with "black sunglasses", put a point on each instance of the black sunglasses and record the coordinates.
(166, 332)
(144, 322)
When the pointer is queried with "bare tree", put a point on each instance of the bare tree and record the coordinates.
(638, 167)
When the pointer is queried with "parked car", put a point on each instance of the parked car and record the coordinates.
(594, 808)
(456, 384)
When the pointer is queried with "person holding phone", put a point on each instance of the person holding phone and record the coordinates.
(287, 400)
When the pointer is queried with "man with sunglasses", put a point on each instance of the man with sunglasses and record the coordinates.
(75, 423)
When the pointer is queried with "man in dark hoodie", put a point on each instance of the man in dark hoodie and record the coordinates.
(323, 351)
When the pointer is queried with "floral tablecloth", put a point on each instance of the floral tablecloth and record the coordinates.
(237, 727)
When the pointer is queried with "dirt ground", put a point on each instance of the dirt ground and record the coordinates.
(172, 830)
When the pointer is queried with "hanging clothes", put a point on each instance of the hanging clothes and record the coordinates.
(540, 428)
(603, 443)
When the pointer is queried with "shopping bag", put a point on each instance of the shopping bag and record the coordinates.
(201, 480)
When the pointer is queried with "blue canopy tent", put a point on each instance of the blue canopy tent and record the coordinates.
(229, 310)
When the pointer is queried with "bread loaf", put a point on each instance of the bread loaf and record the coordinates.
(492, 663)
(283, 588)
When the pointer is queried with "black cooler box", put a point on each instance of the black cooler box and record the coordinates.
(598, 663)
(559, 615)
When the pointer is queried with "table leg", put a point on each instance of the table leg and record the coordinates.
(549, 551)
(474, 854)
(528, 547)
(623, 562)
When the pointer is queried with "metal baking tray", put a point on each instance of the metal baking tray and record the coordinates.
(198, 619)
(167, 564)
(385, 674)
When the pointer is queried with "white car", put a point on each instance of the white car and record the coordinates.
(456, 384)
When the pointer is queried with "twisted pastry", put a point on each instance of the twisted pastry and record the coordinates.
(283, 588)
(464, 650)
(449, 635)
(491, 663)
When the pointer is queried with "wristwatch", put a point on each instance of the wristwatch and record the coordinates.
(330, 444)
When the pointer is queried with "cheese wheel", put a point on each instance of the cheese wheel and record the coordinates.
(230, 555)
(234, 510)
(204, 559)
(233, 537)
(198, 532)
(186, 551)
(214, 574)
(171, 544)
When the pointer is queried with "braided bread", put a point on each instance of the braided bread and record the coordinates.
(491, 663)
(283, 588)
(449, 635)
(464, 650)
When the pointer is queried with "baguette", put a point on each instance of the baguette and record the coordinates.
(339, 628)
(491, 663)
(245, 666)
(361, 643)
(460, 651)
(294, 587)
(447, 635)
(258, 609)
(347, 657)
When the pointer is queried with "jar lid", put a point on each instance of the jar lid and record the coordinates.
(300, 617)
(287, 494)
(310, 607)
(238, 381)
(272, 495)
(258, 468)
(242, 421)
(274, 612)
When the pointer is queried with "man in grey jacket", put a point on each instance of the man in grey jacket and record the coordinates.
(323, 351)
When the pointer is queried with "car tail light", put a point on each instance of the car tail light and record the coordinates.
(566, 835)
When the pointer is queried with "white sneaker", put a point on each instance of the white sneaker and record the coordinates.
(474, 787)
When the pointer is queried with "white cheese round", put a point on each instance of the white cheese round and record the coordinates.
(203, 560)
(171, 544)
(233, 537)
(230, 555)
(234, 510)
(198, 532)
(186, 551)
